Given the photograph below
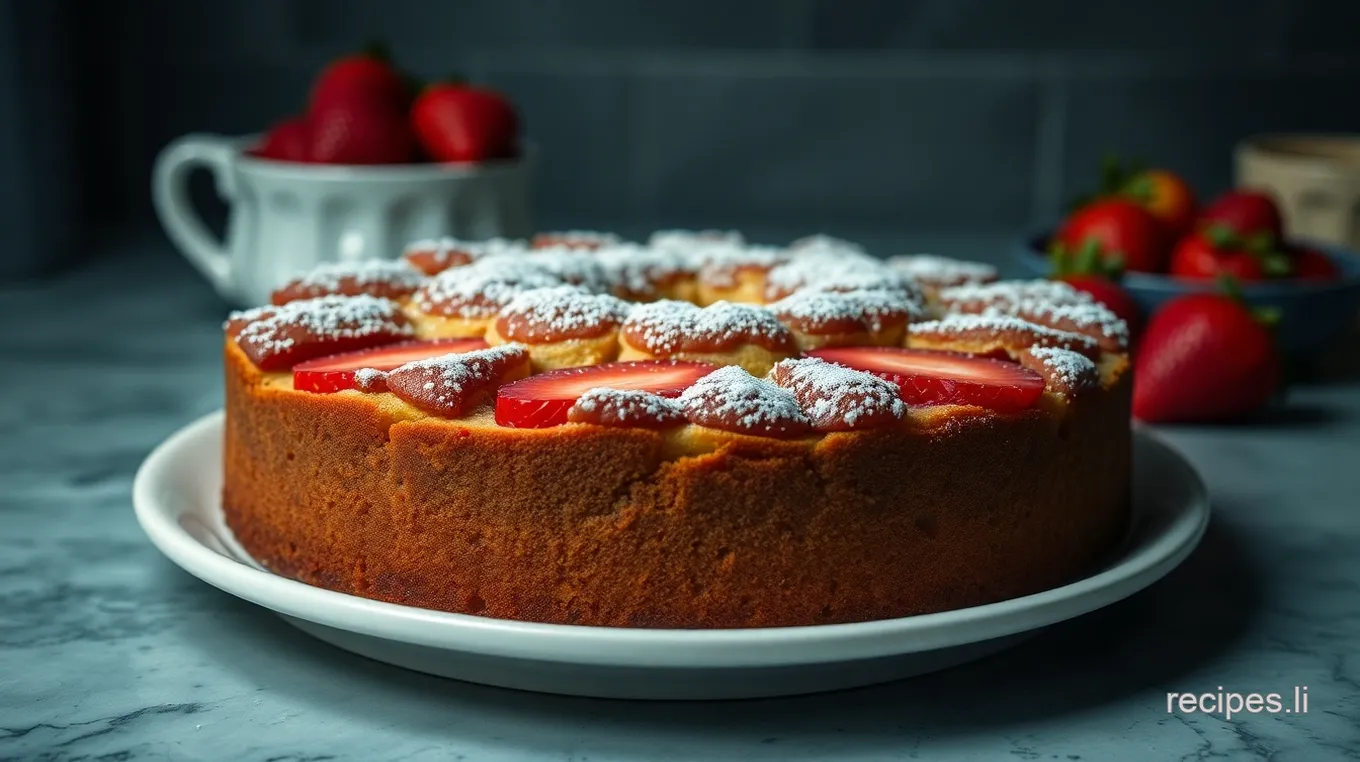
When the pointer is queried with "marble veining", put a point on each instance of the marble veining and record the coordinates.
(110, 652)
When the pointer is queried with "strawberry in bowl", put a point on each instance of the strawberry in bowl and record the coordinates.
(1241, 235)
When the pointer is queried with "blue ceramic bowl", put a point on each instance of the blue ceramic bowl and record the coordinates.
(1312, 313)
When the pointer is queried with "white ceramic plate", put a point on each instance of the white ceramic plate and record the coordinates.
(177, 497)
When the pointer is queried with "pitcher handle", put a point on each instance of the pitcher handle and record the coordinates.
(170, 193)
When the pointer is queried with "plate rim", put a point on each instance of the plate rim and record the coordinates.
(1135, 569)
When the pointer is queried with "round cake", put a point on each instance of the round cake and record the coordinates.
(695, 432)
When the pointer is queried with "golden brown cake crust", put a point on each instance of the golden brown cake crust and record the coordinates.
(594, 525)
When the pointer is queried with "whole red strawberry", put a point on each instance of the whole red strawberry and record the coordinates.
(1166, 196)
(1122, 232)
(1312, 264)
(1217, 250)
(350, 134)
(1204, 357)
(288, 140)
(456, 122)
(1163, 193)
(361, 80)
(1247, 213)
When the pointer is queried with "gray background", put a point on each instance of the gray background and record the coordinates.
(840, 115)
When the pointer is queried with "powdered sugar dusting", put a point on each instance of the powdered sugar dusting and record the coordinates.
(449, 385)
(687, 239)
(273, 330)
(666, 326)
(820, 243)
(482, 287)
(243, 317)
(1089, 317)
(576, 239)
(625, 406)
(332, 276)
(962, 323)
(1073, 369)
(370, 379)
(544, 313)
(838, 398)
(719, 263)
(458, 369)
(639, 270)
(732, 399)
(575, 266)
(1010, 293)
(1006, 329)
(942, 271)
(812, 310)
(826, 272)
(443, 249)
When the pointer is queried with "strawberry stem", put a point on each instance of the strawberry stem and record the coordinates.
(1057, 257)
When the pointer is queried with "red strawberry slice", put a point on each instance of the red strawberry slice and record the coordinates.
(541, 401)
(944, 378)
(335, 373)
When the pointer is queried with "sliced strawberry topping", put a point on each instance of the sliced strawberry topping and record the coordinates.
(452, 385)
(545, 399)
(944, 378)
(338, 372)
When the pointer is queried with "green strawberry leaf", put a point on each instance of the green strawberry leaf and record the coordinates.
(1088, 257)
(1139, 188)
(1222, 236)
(1058, 258)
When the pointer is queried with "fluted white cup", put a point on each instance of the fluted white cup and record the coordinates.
(288, 217)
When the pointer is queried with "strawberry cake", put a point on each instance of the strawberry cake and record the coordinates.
(692, 432)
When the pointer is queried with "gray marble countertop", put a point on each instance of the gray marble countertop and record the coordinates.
(110, 652)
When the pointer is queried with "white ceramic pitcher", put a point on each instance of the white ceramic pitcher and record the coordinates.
(287, 217)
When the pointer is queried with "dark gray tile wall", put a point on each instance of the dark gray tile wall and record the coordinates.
(1049, 25)
(928, 114)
